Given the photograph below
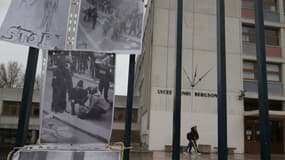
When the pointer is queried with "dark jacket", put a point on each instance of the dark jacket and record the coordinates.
(193, 135)
(78, 95)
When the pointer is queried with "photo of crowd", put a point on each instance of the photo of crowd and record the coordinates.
(110, 25)
(78, 98)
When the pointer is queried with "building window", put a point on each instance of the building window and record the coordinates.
(273, 72)
(284, 6)
(120, 115)
(250, 71)
(268, 5)
(12, 108)
(8, 136)
(271, 35)
(35, 110)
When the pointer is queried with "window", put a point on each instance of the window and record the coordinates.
(284, 6)
(11, 108)
(8, 136)
(35, 110)
(271, 35)
(247, 4)
(120, 115)
(250, 71)
(273, 72)
(268, 5)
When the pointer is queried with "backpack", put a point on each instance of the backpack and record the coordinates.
(188, 136)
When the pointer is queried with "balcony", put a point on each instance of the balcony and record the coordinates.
(273, 88)
(271, 51)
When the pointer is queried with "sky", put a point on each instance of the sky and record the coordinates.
(13, 52)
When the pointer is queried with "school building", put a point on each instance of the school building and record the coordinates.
(155, 73)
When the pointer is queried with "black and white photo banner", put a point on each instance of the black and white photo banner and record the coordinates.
(66, 155)
(89, 25)
(78, 97)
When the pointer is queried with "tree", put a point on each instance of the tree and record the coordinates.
(11, 75)
(3, 76)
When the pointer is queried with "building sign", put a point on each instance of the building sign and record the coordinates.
(187, 93)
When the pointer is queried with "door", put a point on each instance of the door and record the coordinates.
(252, 136)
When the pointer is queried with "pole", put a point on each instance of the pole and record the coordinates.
(222, 82)
(27, 96)
(262, 82)
(177, 96)
(128, 123)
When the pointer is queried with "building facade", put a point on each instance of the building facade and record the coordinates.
(275, 46)
(9, 110)
(155, 73)
(10, 107)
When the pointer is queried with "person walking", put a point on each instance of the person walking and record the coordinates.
(192, 137)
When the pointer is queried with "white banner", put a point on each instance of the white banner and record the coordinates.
(66, 155)
(78, 97)
(89, 25)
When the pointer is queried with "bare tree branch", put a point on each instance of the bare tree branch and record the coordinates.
(10, 75)
(3, 76)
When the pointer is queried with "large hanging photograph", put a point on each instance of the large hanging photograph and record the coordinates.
(66, 155)
(78, 97)
(110, 25)
(90, 25)
(37, 23)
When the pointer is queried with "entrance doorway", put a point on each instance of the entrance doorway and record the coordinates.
(252, 135)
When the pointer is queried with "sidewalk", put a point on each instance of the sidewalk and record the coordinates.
(193, 156)
(83, 125)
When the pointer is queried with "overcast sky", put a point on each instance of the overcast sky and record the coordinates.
(12, 52)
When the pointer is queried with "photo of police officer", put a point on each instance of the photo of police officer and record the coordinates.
(78, 97)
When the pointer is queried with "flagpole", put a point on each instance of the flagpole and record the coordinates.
(177, 96)
(222, 82)
(27, 96)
